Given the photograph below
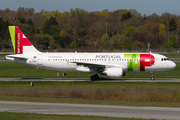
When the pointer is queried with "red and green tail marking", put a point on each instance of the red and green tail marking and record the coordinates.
(18, 39)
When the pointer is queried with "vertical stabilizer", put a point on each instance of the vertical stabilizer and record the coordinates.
(20, 43)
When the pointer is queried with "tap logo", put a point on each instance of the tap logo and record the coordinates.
(18, 44)
(139, 61)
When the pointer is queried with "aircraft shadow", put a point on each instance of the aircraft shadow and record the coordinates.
(131, 79)
(27, 79)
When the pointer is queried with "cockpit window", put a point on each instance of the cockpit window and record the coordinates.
(164, 59)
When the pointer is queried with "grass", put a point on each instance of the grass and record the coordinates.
(34, 116)
(172, 55)
(106, 93)
(16, 70)
(3, 55)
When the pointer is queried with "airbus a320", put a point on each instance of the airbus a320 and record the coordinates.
(113, 65)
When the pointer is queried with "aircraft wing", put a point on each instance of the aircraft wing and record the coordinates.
(90, 65)
(97, 66)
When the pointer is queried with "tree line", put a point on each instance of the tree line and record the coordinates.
(78, 28)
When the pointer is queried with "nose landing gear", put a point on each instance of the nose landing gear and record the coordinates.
(152, 76)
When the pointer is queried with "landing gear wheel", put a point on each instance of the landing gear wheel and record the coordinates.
(94, 77)
(152, 76)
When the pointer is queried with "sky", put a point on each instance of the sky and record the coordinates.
(147, 7)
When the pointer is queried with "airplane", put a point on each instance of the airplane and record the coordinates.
(113, 65)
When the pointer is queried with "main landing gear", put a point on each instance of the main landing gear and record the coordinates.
(152, 76)
(94, 77)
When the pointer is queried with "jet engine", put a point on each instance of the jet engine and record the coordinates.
(114, 72)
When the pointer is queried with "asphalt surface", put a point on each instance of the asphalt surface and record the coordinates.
(3, 59)
(87, 79)
(96, 110)
(175, 59)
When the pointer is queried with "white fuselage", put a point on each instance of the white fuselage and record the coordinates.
(69, 61)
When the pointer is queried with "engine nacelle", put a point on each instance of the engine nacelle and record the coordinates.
(114, 72)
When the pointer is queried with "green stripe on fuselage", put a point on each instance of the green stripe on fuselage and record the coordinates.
(132, 61)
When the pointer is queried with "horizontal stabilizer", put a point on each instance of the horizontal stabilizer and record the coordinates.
(9, 57)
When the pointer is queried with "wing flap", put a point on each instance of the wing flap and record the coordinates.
(97, 65)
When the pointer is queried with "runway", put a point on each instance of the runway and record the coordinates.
(3, 59)
(87, 79)
(175, 59)
(96, 110)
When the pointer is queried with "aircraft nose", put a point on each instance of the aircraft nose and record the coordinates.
(173, 65)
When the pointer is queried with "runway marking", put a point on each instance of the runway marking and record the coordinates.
(87, 79)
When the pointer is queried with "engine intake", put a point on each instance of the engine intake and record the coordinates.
(114, 72)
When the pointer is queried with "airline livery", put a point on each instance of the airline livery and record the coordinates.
(111, 64)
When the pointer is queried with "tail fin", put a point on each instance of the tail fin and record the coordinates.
(20, 43)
